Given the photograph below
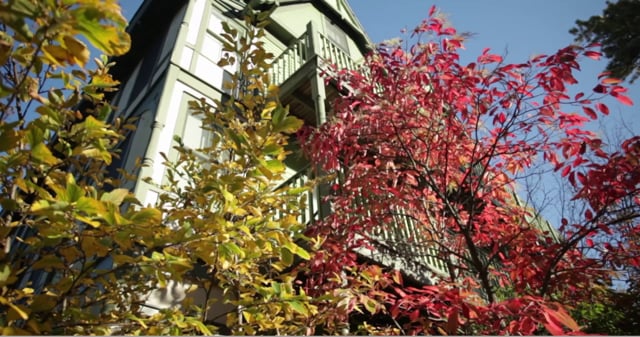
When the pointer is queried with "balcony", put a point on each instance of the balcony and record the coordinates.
(297, 71)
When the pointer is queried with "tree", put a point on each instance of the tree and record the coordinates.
(235, 215)
(422, 144)
(67, 237)
(80, 254)
(618, 33)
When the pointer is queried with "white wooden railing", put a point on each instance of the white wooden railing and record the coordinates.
(310, 44)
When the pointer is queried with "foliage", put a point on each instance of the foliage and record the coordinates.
(613, 311)
(616, 29)
(81, 255)
(65, 260)
(234, 215)
(428, 154)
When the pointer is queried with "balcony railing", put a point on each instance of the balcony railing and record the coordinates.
(411, 242)
(402, 241)
(333, 54)
(309, 45)
(301, 180)
(290, 60)
(401, 244)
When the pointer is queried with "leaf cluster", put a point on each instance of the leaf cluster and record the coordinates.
(72, 244)
(616, 30)
(428, 154)
(235, 216)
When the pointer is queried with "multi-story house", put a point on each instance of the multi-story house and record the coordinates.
(176, 45)
(175, 49)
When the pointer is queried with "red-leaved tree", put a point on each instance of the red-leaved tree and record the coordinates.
(427, 154)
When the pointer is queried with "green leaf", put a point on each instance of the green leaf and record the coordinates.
(73, 192)
(41, 153)
(109, 39)
(5, 272)
(230, 249)
(43, 303)
(286, 256)
(297, 190)
(299, 307)
(274, 165)
(49, 262)
(90, 206)
(290, 124)
(147, 215)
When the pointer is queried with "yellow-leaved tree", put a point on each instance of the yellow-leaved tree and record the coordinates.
(73, 241)
(241, 218)
(79, 254)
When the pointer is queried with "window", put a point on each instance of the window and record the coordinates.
(215, 23)
(212, 42)
(336, 35)
(194, 136)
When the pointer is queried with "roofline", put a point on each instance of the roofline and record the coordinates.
(356, 31)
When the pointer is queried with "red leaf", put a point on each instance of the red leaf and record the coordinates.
(603, 108)
(566, 170)
(552, 326)
(432, 10)
(452, 321)
(588, 215)
(624, 99)
(601, 89)
(604, 74)
(587, 110)
(611, 80)
(502, 118)
(589, 243)
(592, 54)
(414, 315)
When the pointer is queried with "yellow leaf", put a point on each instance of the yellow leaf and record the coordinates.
(146, 215)
(295, 249)
(17, 312)
(9, 137)
(40, 152)
(55, 54)
(89, 221)
(90, 206)
(5, 273)
(40, 205)
(77, 50)
(109, 39)
(268, 109)
(116, 196)
(13, 331)
(290, 124)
